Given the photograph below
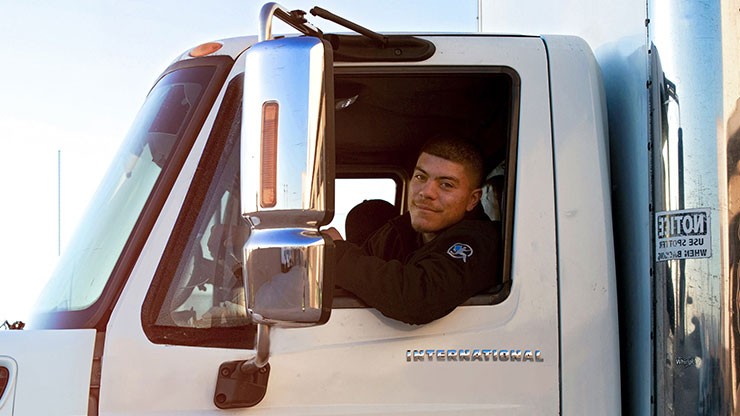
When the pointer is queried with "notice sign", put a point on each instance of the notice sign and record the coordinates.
(683, 234)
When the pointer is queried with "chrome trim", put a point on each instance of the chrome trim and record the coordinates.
(695, 349)
(262, 351)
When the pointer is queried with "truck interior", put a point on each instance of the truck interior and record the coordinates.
(394, 113)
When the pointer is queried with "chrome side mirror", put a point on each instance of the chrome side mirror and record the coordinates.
(287, 193)
(287, 181)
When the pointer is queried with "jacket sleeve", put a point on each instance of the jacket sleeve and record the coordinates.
(434, 281)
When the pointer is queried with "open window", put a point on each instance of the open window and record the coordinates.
(385, 114)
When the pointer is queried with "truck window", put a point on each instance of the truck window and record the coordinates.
(350, 192)
(207, 290)
(197, 297)
(388, 113)
(157, 133)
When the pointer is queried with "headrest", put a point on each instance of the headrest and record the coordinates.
(366, 217)
(492, 198)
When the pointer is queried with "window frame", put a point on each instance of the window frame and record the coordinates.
(346, 300)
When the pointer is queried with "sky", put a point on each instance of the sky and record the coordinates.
(74, 74)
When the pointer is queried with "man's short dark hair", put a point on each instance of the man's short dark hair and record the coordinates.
(459, 151)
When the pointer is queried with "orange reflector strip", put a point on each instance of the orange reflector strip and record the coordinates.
(268, 194)
(4, 377)
(205, 49)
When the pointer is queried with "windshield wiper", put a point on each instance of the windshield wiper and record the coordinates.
(325, 14)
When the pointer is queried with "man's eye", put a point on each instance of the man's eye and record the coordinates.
(419, 177)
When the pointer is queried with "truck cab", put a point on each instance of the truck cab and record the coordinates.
(148, 311)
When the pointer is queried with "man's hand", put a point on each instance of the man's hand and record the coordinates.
(332, 233)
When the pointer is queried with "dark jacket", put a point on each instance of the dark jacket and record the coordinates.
(417, 283)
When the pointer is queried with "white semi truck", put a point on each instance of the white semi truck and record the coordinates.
(200, 281)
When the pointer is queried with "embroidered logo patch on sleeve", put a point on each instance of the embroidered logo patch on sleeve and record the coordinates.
(460, 251)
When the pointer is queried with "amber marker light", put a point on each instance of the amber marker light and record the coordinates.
(205, 49)
(268, 173)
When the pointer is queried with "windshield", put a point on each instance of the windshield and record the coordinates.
(91, 255)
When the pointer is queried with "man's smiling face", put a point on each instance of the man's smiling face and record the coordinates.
(440, 193)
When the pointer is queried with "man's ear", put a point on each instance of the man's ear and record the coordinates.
(474, 198)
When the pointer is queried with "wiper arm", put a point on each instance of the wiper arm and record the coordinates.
(17, 325)
(325, 14)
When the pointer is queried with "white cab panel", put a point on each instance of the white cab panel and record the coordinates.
(356, 363)
(49, 371)
(588, 293)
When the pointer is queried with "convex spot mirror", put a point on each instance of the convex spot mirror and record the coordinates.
(287, 168)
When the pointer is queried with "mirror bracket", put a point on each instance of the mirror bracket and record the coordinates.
(244, 383)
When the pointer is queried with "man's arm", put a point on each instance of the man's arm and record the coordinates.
(435, 280)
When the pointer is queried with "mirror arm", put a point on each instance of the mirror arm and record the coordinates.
(295, 19)
(262, 351)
